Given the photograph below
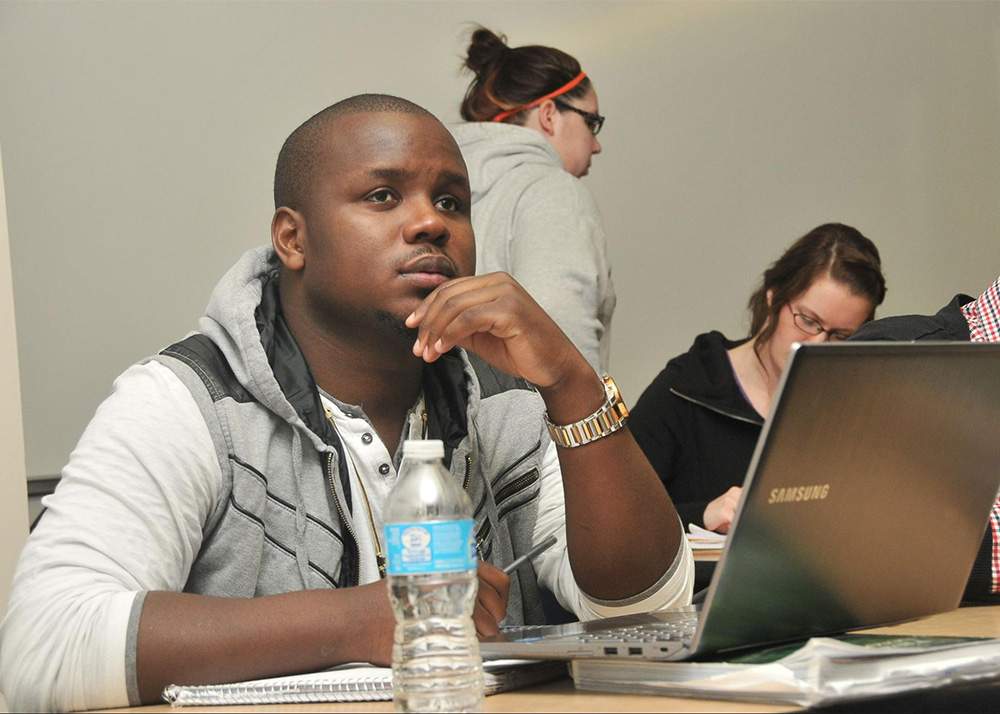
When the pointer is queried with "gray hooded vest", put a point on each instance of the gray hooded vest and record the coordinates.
(282, 523)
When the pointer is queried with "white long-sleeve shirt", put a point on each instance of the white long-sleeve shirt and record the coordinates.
(127, 518)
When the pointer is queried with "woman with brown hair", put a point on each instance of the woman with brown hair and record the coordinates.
(699, 420)
(532, 129)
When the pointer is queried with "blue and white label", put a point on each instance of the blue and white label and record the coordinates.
(432, 547)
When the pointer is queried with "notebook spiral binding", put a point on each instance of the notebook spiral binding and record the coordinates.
(354, 682)
(283, 690)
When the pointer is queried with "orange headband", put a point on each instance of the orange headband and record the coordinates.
(562, 90)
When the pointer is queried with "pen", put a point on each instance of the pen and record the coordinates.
(516, 563)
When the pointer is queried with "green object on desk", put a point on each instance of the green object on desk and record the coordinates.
(773, 654)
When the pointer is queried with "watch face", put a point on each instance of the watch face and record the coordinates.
(615, 400)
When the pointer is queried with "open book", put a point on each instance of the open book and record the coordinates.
(822, 671)
(706, 545)
(349, 683)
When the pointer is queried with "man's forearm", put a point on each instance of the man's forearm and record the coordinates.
(622, 530)
(196, 639)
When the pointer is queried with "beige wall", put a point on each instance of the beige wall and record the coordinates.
(140, 140)
(13, 494)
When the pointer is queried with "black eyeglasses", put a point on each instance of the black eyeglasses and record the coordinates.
(593, 121)
(813, 327)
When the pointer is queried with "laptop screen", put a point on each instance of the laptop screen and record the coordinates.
(864, 504)
(868, 493)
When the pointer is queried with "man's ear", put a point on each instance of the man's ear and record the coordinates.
(288, 233)
(547, 112)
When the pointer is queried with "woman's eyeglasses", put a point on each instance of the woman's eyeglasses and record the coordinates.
(813, 327)
(593, 121)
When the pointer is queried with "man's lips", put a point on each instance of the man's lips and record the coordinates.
(429, 270)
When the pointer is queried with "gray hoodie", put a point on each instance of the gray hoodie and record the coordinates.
(539, 223)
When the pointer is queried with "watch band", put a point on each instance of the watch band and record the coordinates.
(611, 417)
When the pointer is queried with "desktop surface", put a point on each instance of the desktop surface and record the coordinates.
(560, 696)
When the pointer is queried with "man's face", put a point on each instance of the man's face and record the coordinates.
(387, 220)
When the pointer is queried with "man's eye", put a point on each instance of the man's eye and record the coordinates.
(449, 203)
(382, 195)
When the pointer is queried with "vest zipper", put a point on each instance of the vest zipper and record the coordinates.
(468, 472)
(343, 518)
(481, 537)
(515, 486)
(710, 408)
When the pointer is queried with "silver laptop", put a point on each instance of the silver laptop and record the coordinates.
(865, 504)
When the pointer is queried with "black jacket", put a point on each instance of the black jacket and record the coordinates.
(696, 427)
(948, 324)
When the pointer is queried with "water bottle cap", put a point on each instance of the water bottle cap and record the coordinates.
(424, 448)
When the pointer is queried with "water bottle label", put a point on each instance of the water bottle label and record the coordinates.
(433, 547)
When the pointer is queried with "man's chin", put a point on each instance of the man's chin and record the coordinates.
(396, 324)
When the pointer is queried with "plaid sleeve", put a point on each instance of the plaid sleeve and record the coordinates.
(995, 554)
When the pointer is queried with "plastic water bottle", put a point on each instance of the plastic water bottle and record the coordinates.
(436, 666)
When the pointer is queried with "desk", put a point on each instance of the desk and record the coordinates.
(560, 696)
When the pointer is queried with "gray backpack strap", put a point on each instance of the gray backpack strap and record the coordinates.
(206, 359)
(491, 380)
(204, 370)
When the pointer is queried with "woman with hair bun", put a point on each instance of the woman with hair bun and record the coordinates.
(533, 123)
(699, 420)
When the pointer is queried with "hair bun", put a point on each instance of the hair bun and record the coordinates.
(486, 50)
(511, 77)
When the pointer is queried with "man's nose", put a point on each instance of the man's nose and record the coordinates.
(596, 148)
(425, 223)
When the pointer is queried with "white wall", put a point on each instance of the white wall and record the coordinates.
(13, 493)
(140, 141)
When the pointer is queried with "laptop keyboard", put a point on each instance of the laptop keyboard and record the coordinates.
(674, 631)
(677, 629)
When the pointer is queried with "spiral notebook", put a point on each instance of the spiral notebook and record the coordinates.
(349, 683)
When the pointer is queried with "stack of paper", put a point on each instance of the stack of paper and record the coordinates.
(707, 545)
(822, 671)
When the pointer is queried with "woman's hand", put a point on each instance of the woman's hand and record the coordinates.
(719, 513)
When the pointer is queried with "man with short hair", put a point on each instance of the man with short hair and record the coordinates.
(965, 319)
(221, 517)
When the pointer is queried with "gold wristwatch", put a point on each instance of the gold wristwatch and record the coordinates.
(611, 417)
